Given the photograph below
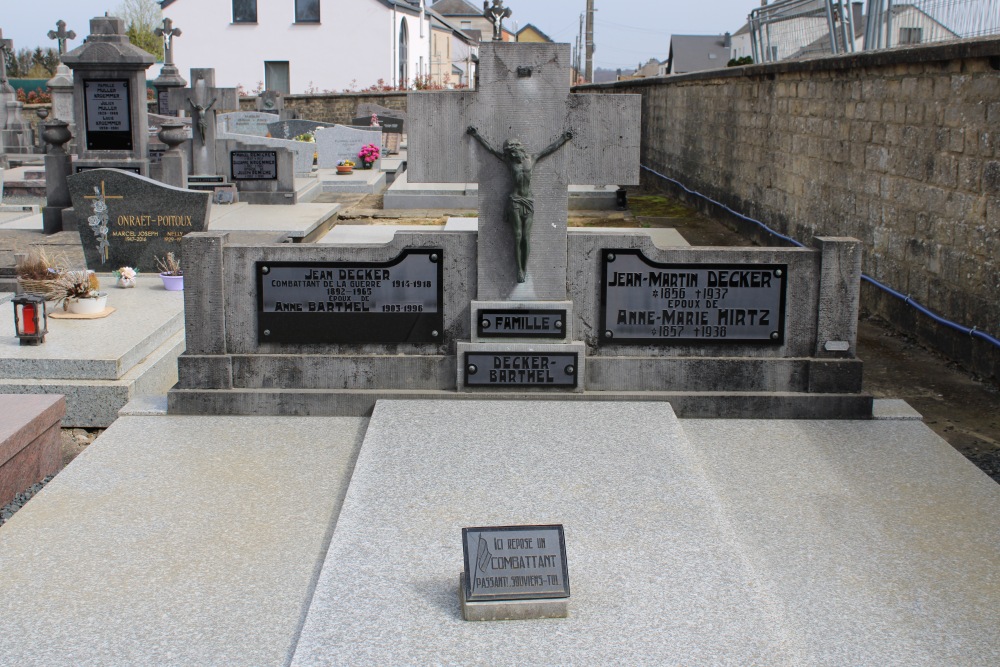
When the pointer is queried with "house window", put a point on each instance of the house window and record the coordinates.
(276, 76)
(404, 57)
(307, 11)
(244, 11)
(911, 35)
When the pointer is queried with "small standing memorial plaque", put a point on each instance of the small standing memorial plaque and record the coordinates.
(507, 323)
(644, 302)
(108, 115)
(514, 572)
(339, 302)
(254, 165)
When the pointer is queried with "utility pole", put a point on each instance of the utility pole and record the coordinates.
(579, 50)
(590, 41)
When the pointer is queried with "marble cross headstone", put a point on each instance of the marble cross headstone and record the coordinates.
(524, 95)
(61, 35)
(167, 32)
(204, 101)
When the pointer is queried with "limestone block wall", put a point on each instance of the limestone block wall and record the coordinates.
(900, 149)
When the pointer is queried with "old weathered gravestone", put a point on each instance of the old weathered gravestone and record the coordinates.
(343, 143)
(203, 100)
(252, 123)
(126, 220)
(170, 77)
(15, 133)
(524, 95)
(289, 129)
(109, 93)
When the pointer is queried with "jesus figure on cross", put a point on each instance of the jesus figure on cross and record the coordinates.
(521, 205)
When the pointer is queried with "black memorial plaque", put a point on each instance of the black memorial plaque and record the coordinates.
(522, 323)
(645, 302)
(163, 104)
(521, 369)
(80, 168)
(398, 301)
(388, 124)
(108, 111)
(515, 563)
(254, 165)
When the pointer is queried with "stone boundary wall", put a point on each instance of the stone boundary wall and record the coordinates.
(899, 148)
(333, 107)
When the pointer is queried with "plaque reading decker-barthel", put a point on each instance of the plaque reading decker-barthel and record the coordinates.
(515, 563)
(644, 302)
(398, 301)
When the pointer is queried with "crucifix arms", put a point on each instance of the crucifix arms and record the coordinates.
(501, 155)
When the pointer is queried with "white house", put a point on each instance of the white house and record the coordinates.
(294, 46)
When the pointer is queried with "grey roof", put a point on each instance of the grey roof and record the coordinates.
(695, 53)
(403, 4)
(456, 8)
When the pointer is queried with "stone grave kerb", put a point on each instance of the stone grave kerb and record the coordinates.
(107, 57)
(523, 94)
(204, 101)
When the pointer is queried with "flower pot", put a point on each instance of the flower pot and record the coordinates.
(88, 305)
(172, 283)
(344, 170)
(125, 282)
(367, 165)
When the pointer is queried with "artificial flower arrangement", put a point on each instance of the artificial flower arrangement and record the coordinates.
(345, 163)
(368, 154)
(125, 276)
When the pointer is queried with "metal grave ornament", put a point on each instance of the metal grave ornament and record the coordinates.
(515, 563)
(398, 301)
(645, 302)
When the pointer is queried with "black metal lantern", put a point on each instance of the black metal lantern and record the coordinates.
(31, 321)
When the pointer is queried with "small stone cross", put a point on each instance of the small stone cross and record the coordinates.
(204, 101)
(61, 35)
(524, 96)
(167, 31)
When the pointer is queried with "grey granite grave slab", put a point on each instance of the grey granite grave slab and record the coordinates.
(193, 540)
(343, 143)
(879, 540)
(244, 122)
(372, 233)
(656, 577)
(361, 180)
(297, 221)
(128, 220)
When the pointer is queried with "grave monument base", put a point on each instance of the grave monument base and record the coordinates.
(510, 610)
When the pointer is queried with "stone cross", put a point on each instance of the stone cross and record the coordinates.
(167, 31)
(496, 14)
(61, 35)
(204, 101)
(524, 95)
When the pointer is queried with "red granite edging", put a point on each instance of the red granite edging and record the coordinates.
(29, 440)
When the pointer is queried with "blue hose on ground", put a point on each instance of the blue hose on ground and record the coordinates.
(973, 332)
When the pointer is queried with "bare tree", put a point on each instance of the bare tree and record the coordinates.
(141, 18)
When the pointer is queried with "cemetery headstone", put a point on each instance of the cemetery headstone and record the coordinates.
(289, 129)
(170, 77)
(271, 102)
(392, 130)
(204, 101)
(16, 135)
(252, 123)
(61, 35)
(366, 109)
(109, 92)
(343, 143)
(127, 219)
(262, 174)
(524, 98)
(303, 151)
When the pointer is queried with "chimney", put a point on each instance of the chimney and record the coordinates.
(727, 41)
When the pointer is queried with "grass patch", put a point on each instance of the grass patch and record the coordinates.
(658, 206)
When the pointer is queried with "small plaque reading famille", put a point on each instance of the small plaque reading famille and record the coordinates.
(254, 165)
(521, 323)
(515, 563)
(521, 369)
(398, 301)
(108, 115)
(645, 302)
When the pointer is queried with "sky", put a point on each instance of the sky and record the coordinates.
(626, 32)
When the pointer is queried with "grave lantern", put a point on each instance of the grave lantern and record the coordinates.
(30, 319)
